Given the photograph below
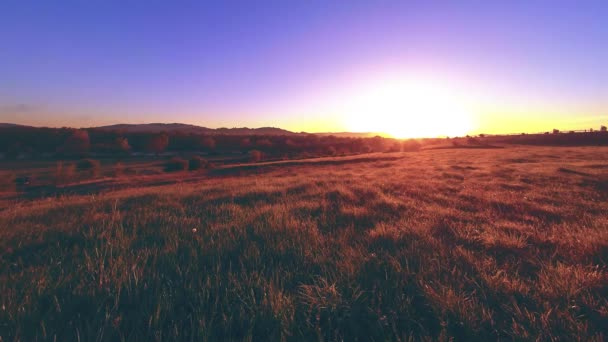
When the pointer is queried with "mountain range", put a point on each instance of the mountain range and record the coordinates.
(186, 128)
(194, 129)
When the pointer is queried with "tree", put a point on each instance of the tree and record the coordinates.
(245, 143)
(331, 150)
(122, 144)
(77, 143)
(290, 144)
(395, 147)
(158, 143)
(207, 143)
(377, 143)
(197, 163)
(264, 143)
(603, 129)
(411, 145)
(255, 155)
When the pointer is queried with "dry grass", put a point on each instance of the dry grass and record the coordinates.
(464, 244)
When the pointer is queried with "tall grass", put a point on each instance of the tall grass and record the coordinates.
(436, 245)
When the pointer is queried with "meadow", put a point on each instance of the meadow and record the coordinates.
(464, 244)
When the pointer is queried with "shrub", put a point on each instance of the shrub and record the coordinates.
(87, 164)
(473, 141)
(255, 155)
(64, 173)
(77, 144)
(119, 169)
(331, 151)
(91, 166)
(411, 145)
(395, 147)
(158, 143)
(197, 163)
(264, 143)
(176, 164)
(366, 149)
(207, 144)
(122, 145)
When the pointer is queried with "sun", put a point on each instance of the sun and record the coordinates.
(409, 109)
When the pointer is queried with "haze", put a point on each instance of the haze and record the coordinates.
(406, 69)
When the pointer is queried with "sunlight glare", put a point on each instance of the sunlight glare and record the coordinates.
(409, 109)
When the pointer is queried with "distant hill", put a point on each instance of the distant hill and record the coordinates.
(186, 128)
(10, 125)
(350, 134)
(194, 129)
(156, 127)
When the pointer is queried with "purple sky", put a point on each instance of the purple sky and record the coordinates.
(520, 65)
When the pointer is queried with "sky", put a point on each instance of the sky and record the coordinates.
(404, 67)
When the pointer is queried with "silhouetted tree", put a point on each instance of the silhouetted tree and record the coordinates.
(377, 143)
(158, 143)
(264, 143)
(207, 143)
(395, 147)
(411, 145)
(197, 163)
(122, 144)
(90, 166)
(331, 150)
(245, 143)
(255, 155)
(78, 143)
(176, 164)
(603, 129)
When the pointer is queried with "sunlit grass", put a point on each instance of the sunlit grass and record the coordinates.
(470, 244)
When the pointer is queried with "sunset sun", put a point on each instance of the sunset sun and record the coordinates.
(409, 109)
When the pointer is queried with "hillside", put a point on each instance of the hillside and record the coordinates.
(10, 125)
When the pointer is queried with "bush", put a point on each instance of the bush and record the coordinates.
(395, 147)
(64, 173)
(91, 166)
(197, 163)
(331, 151)
(473, 141)
(255, 155)
(119, 169)
(176, 164)
(366, 149)
(87, 164)
(78, 144)
(411, 145)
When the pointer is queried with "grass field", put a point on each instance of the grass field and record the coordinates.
(471, 244)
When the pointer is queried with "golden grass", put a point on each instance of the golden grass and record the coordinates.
(438, 244)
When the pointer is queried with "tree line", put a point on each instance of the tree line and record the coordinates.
(66, 142)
